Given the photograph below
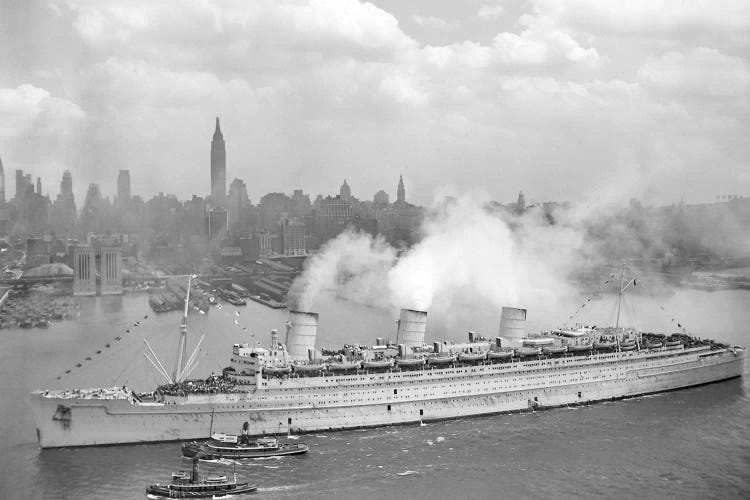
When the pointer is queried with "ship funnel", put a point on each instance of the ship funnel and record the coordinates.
(513, 324)
(301, 335)
(411, 327)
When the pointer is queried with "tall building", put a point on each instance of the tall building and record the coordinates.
(23, 183)
(237, 202)
(400, 191)
(111, 270)
(2, 182)
(123, 186)
(345, 192)
(39, 185)
(521, 203)
(380, 198)
(84, 271)
(66, 186)
(293, 237)
(218, 168)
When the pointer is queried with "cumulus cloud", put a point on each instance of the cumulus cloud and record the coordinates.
(27, 107)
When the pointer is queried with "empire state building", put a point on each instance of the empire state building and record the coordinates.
(218, 168)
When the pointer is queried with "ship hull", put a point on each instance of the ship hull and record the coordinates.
(370, 400)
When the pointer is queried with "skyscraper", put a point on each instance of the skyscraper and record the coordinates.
(345, 192)
(218, 168)
(123, 186)
(2, 182)
(66, 186)
(401, 192)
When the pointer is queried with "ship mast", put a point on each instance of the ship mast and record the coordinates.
(182, 345)
(623, 286)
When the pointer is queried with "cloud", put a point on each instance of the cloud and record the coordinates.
(487, 12)
(702, 71)
(27, 108)
(432, 22)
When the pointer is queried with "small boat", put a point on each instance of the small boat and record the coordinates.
(555, 349)
(604, 345)
(277, 370)
(471, 357)
(42, 322)
(26, 323)
(579, 347)
(628, 347)
(379, 364)
(528, 351)
(410, 362)
(343, 366)
(440, 360)
(499, 355)
(222, 445)
(654, 345)
(190, 485)
(309, 368)
(673, 344)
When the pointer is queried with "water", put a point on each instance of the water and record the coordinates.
(685, 444)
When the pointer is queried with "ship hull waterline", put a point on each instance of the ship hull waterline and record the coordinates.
(445, 393)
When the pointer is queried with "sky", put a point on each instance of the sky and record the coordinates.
(577, 100)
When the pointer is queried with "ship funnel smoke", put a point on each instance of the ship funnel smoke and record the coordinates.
(411, 328)
(303, 328)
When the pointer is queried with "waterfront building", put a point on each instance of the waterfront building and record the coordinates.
(111, 270)
(218, 169)
(84, 271)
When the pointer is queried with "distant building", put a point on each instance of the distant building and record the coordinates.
(237, 203)
(520, 203)
(218, 169)
(345, 192)
(380, 198)
(293, 237)
(400, 191)
(39, 186)
(2, 182)
(123, 186)
(216, 223)
(333, 216)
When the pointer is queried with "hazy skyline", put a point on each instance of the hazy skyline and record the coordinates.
(565, 100)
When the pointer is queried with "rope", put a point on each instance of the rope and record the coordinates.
(585, 303)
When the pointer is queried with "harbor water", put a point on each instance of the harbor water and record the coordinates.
(692, 443)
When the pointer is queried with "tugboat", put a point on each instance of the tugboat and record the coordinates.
(191, 485)
(222, 445)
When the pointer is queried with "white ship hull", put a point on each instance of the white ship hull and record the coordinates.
(338, 402)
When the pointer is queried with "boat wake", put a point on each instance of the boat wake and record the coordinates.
(407, 473)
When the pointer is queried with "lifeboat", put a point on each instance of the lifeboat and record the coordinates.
(380, 364)
(344, 366)
(528, 351)
(628, 347)
(654, 345)
(499, 355)
(311, 368)
(555, 349)
(471, 357)
(579, 347)
(673, 344)
(604, 345)
(440, 360)
(410, 362)
(277, 370)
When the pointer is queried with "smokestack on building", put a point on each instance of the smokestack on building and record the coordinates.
(301, 334)
(411, 327)
(513, 325)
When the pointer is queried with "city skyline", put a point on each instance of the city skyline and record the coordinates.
(546, 96)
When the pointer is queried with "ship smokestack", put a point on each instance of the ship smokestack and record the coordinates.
(301, 335)
(411, 327)
(513, 324)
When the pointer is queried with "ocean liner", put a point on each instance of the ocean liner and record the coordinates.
(291, 386)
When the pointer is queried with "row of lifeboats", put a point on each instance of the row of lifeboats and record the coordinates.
(462, 357)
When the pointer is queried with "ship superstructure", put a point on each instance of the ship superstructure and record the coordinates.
(291, 386)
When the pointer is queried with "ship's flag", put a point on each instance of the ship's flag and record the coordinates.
(633, 281)
(237, 313)
(679, 325)
(236, 322)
